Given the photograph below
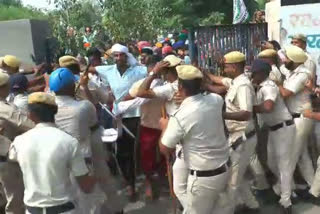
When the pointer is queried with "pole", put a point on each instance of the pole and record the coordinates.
(115, 118)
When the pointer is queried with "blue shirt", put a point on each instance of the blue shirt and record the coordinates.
(121, 84)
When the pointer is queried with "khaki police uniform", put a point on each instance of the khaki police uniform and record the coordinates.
(242, 135)
(297, 103)
(47, 156)
(197, 124)
(281, 136)
(12, 124)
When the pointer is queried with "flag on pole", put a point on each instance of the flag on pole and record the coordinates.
(240, 12)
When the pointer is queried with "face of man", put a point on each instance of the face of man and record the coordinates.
(95, 61)
(230, 70)
(257, 78)
(120, 58)
(289, 64)
(145, 58)
(299, 43)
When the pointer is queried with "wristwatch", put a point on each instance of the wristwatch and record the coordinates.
(151, 73)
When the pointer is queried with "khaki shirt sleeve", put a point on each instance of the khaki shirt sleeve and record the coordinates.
(173, 134)
(245, 98)
(297, 84)
(18, 119)
(227, 82)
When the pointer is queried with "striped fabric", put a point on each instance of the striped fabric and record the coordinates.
(240, 13)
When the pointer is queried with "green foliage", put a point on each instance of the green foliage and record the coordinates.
(12, 13)
(15, 3)
(130, 20)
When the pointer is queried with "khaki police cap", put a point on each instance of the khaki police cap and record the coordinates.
(11, 61)
(4, 78)
(234, 57)
(188, 72)
(173, 60)
(296, 54)
(66, 61)
(300, 36)
(41, 97)
(268, 53)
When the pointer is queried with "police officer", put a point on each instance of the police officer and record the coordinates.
(47, 157)
(198, 125)
(274, 113)
(271, 57)
(239, 101)
(12, 124)
(297, 100)
(167, 93)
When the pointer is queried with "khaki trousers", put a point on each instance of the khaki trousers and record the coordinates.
(315, 188)
(12, 183)
(239, 187)
(300, 154)
(203, 193)
(180, 179)
(279, 160)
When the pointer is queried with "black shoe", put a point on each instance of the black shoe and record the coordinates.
(246, 210)
(287, 210)
(267, 196)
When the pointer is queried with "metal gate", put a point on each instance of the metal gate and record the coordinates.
(213, 42)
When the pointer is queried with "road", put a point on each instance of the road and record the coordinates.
(164, 206)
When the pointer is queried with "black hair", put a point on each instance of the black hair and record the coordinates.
(94, 52)
(192, 87)
(74, 68)
(275, 44)
(45, 113)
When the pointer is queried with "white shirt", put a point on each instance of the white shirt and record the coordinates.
(275, 74)
(269, 91)
(150, 108)
(198, 125)
(167, 92)
(77, 118)
(120, 84)
(240, 97)
(295, 82)
(21, 101)
(47, 156)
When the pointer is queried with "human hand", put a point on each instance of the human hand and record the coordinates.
(307, 113)
(163, 123)
(160, 66)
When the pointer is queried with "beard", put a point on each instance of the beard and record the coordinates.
(289, 65)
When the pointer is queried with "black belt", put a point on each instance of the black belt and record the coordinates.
(238, 142)
(3, 158)
(280, 125)
(296, 115)
(52, 210)
(210, 173)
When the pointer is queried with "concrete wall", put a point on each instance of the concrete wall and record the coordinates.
(24, 38)
(273, 19)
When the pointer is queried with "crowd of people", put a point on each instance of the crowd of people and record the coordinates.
(202, 130)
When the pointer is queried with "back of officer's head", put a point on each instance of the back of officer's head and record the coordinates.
(62, 82)
(42, 107)
(190, 79)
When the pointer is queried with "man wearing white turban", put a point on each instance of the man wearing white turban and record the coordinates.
(120, 77)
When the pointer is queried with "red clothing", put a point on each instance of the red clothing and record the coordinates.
(151, 160)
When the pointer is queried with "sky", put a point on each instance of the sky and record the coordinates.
(42, 4)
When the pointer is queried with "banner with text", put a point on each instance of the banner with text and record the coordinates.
(302, 19)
